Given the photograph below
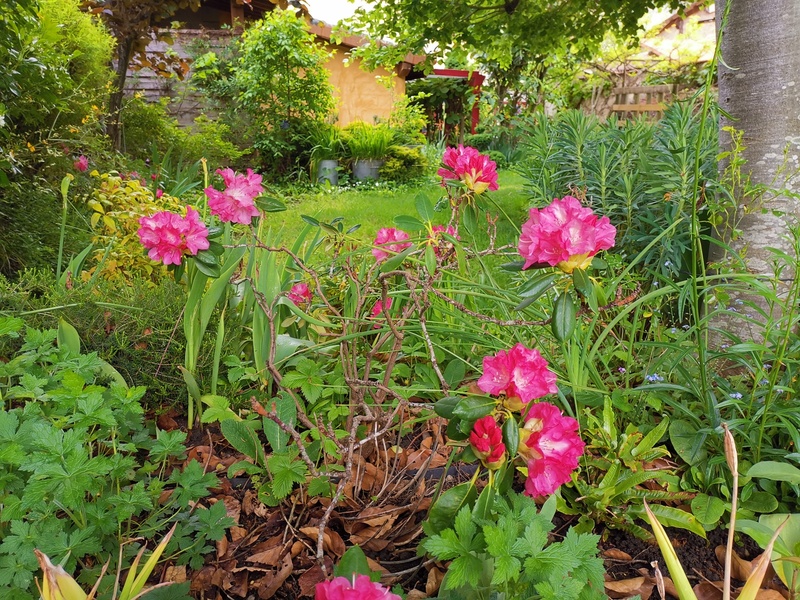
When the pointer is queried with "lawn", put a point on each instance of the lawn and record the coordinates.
(376, 208)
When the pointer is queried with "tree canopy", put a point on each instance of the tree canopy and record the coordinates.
(496, 28)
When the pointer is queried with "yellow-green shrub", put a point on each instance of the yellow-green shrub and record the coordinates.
(117, 204)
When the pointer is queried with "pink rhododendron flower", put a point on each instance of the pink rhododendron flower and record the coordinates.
(476, 170)
(168, 236)
(159, 193)
(436, 239)
(564, 234)
(391, 242)
(486, 440)
(237, 203)
(82, 164)
(518, 373)
(300, 294)
(551, 443)
(361, 588)
(379, 309)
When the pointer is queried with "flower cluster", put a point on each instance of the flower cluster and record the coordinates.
(477, 171)
(82, 164)
(551, 443)
(360, 588)
(300, 294)
(388, 242)
(519, 373)
(237, 203)
(168, 236)
(564, 234)
(486, 440)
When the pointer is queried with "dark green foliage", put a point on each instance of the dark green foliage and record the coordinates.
(481, 141)
(72, 481)
(446, 103)
(403, 164)
(499, 158)
(639, 174)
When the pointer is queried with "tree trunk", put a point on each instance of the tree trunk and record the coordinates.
(113, 129)
(759, 87)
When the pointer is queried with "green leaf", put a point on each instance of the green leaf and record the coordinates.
(430, 259)
(208, 269)
(68, 337)
(443, 513)
(353, 562)
(191, 383)
(269, 204)
(708, 509)
(511, 437)
(444, 407)
(287, 413)
(670, 516)
(688, 442)
(425, 207)
(390, 264)
(473, 408)
(538, 285)
(513, 267)
(310, 220)
(286, 470)
(214, 521)
(455, 372)
(564, 317)
(219, 409)
(243, 437)
(776, 471)
(582, 282)
(408, 223)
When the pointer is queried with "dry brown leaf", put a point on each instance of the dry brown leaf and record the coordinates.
(232, 508)
(237, 584)
(740, 568)
(708, 590)
(331, 541)
(434, 581)
(201, 580)
(614, 554)
(270, 584)
(627, 588)
(416, 595)
(266, 557)
(252, 506)
(308, 581)
(769, 595)
(222, 547)
(175, 574)
(238, 533)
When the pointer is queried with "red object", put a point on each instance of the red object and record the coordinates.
(475, 81)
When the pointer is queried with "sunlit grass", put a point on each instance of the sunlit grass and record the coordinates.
(376, 208)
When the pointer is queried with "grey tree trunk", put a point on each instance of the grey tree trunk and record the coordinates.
(759, 87)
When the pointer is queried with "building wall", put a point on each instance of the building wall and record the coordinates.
(361, 95)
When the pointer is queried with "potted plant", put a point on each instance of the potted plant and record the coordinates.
(367, 145)
(327, 147)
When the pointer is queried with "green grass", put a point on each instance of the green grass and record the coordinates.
(376, 208)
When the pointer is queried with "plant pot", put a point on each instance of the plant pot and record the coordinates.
(327, 171)
(366, 168)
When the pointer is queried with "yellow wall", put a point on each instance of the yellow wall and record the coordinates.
(361, 95)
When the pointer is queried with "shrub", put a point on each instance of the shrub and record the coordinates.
(481, 141)
(499, 158)
(147, 126)
(366, 141)
(403, 164)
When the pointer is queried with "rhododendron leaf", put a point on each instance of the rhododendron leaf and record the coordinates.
(215, 231)
(409, 223)
(270, 204)
(473, 408)
(354, 562)
(392, 263)
(538, 285)
(582, 282)
(599, 263)
(216, 248)
(526, 303)
(445, 406)
(207, 269)
(206, 257)
(483, 506)
(430, 259)
(511, 436)
(470, 218)
(353, 229)
(310, 220)
(455, 431)
(442, 515)
(424, 207)
(564, 314)
(513, 266)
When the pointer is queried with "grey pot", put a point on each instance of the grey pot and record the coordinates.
(327, 171)
(366, 169)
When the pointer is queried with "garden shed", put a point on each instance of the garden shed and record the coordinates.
(361, 95)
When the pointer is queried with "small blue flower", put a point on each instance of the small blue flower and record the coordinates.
(767, 366)
(654, 378)
(763, 382)
(684, 327)
(736, 395)
(739, 302)
(673, 330)
(622, 370)
(668, 263)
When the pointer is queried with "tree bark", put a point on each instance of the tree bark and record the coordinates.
(759, 87)
(113, 129)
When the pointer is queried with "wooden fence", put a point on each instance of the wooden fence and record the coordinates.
(650, 100)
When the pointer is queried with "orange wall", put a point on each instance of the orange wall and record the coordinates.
(360, 95)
